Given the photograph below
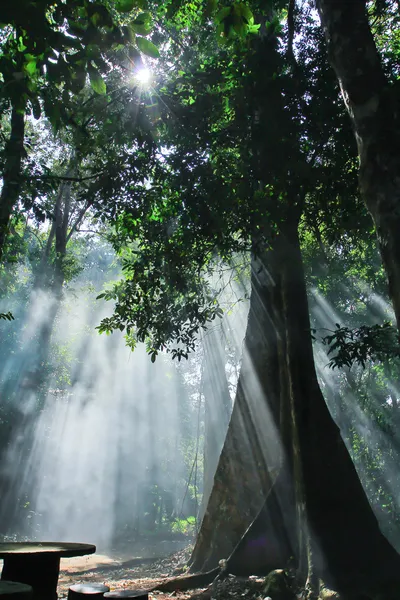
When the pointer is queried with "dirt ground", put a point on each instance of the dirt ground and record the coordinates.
(121, 573)
(133, 574)
(126, 569)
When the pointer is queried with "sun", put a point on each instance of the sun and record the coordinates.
(143, 76)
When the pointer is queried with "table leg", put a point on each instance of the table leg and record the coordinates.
(41, 571)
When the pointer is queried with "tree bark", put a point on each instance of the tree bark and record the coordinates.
(12, 174)
(373, 106)
(336, 535)
(342, 539)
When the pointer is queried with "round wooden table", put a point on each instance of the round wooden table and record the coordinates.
(38, 564)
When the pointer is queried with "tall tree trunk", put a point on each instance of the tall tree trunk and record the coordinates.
(373, 105)
(343, 541)
(12, 173)
(338, 537)
(55, 285)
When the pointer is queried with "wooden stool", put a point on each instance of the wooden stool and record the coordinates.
(80, 591)
(12, 590)
(137, 594)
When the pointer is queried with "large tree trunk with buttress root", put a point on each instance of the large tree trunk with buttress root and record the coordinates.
(251, 456)
(345, 545)
(12, 173)
(373, 104)
(337, 535)
(217, 407)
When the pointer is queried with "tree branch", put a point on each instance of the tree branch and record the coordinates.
(65, 178)
(100, 233)
(78, 220)
(291, 30)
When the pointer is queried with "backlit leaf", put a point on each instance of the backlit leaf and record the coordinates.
(142, 24)
(30, 67)
(147, 47)
(96, 81)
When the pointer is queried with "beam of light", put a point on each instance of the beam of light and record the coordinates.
(367, 441)
(252, 432)
(82, 455)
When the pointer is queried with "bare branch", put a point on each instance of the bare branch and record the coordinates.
(78, 220)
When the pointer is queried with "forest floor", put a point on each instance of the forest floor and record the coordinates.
(142, 574)
(119, 572)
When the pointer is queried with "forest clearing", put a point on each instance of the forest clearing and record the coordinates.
(200, 299)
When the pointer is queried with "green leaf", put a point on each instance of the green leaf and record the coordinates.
(243, 10)
(125, 5)
(78, 79)
(254, 28)
(147, 47)
(99, 16)
(21, 46)
(142, 24)
(30, 66)
(96, 81)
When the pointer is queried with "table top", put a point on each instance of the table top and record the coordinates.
(61, 549)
